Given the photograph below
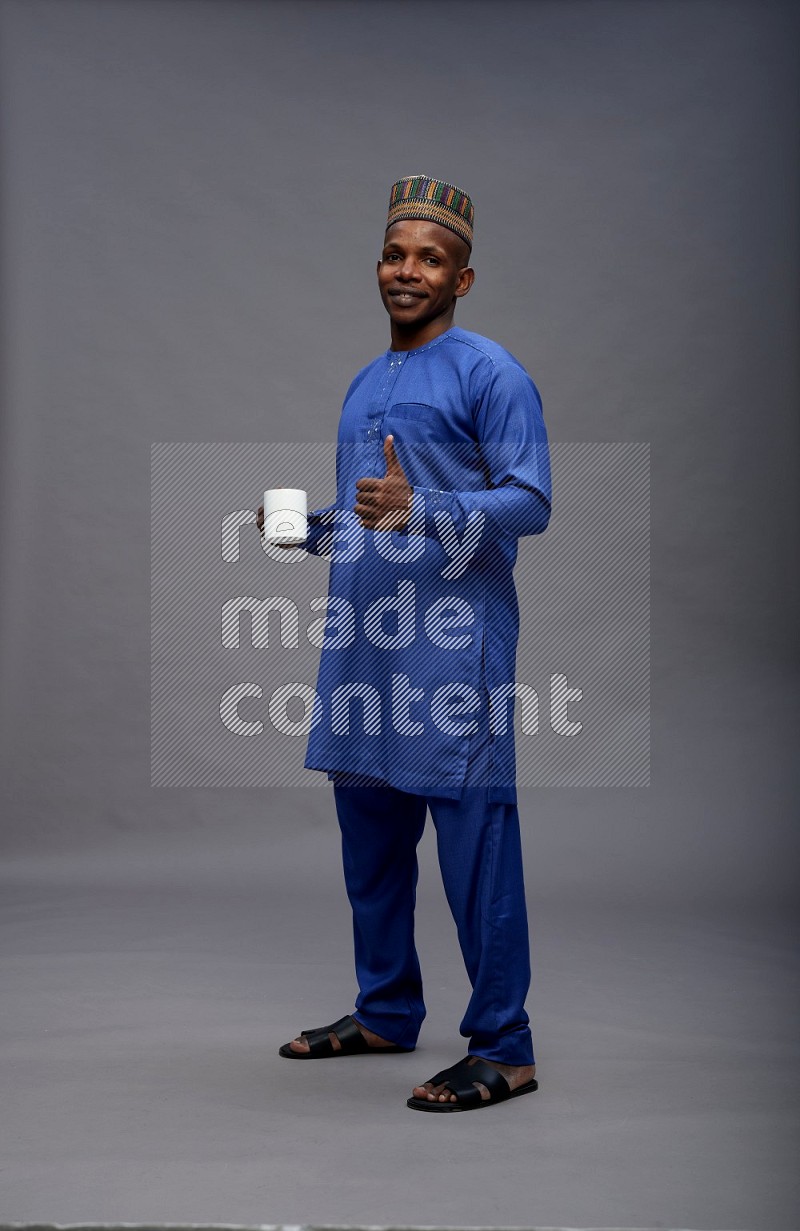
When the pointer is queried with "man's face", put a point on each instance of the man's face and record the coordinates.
(423, 269)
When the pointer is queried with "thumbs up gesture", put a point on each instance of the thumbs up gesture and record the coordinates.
(384, 504)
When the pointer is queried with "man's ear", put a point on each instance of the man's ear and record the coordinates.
(466, 278)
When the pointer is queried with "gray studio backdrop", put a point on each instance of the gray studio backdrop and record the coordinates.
(192, 204)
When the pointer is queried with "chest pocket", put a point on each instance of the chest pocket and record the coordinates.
(413, 410)
(432, 452)
(416, 421)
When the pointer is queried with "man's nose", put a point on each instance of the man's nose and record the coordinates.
(407, 271)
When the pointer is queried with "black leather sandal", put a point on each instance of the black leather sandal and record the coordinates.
(459, 1078)
(347, 1032)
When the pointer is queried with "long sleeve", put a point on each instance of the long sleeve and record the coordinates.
(514, 450)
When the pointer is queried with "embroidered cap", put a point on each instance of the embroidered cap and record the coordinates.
(418, 196)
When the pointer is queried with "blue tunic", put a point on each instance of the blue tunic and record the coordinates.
(421, 625)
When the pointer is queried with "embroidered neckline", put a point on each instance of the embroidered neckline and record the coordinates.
(427, 346)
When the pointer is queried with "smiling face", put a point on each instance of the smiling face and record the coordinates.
(423, 270)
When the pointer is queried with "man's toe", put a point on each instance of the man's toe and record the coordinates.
(434, 1094)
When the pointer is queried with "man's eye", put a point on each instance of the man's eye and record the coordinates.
(432, 260)
(392, 256)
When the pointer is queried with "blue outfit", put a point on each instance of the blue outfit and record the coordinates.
(480, 857)
(469, 433)
(416, 675)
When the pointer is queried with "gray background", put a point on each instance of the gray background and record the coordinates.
(192, 204)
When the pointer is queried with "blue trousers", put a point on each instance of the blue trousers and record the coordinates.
(481, 862)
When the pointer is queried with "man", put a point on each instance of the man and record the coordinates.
(442, 463)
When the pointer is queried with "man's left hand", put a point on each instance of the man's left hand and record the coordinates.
(384, 504)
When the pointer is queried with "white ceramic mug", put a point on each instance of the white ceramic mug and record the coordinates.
(285, 515)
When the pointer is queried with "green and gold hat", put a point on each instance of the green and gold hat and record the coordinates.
(419, 196)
